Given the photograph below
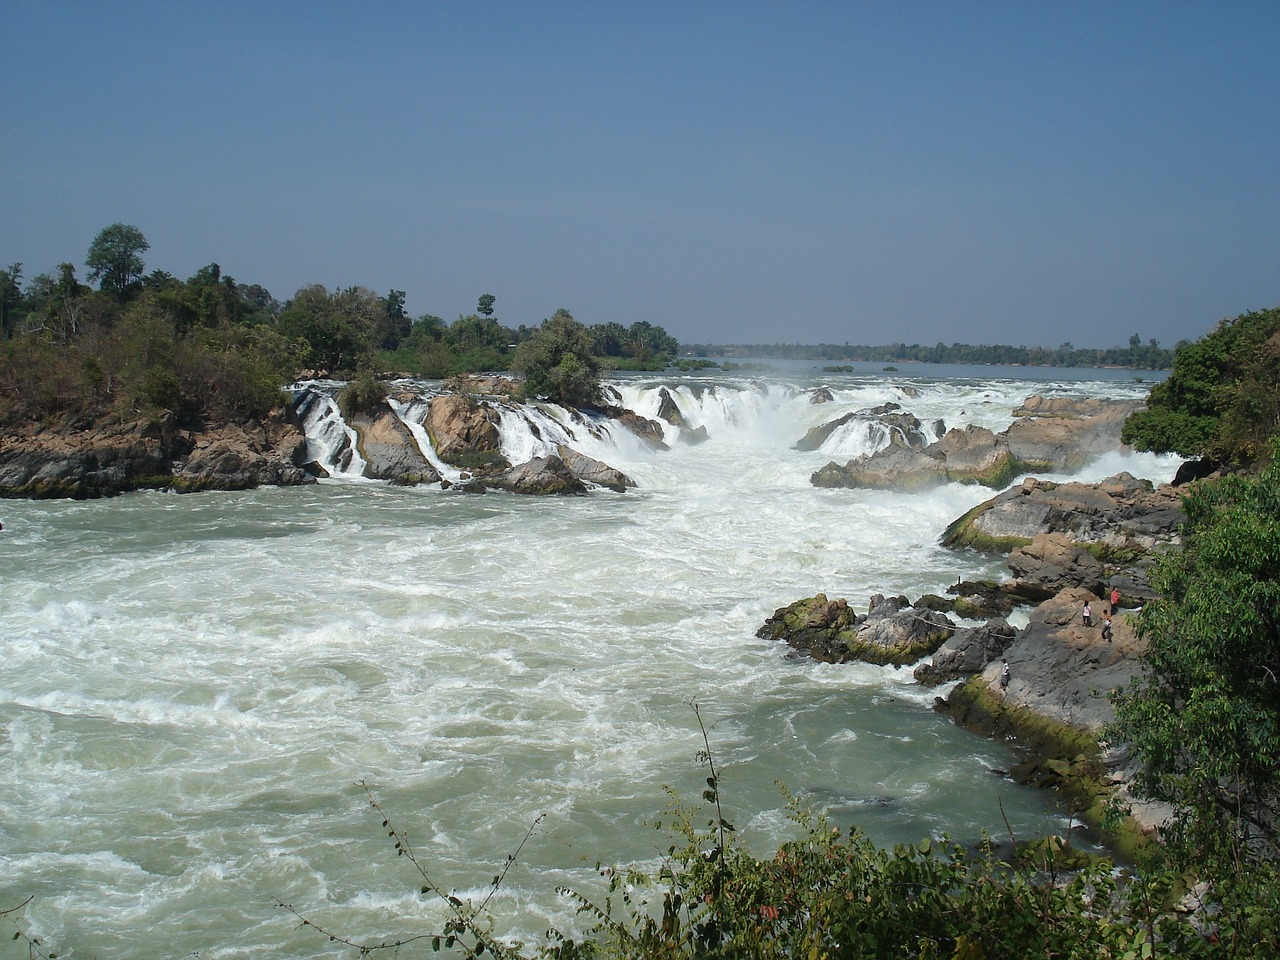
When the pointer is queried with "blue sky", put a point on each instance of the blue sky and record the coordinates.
(1027, 173)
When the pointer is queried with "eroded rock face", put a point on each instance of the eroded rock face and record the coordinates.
(892, 632)
(464, 432)
(390, 450)
(893, 468)
(115, 456)
(1122, 514)
(1062, 670)
(239, 456)
(967, 652)
(1052, 562)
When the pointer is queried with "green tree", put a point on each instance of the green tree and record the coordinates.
(485, 305)
(340, 328)
(557, 363)
(1204, 719)
(1221, 401)
(115, 259)
(10, 297)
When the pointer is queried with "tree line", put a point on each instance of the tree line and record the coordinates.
(211, 347)
(1135, 355)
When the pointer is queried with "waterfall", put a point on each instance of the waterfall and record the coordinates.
(330, 442)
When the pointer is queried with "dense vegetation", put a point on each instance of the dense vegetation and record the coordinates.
(1222, 399)
(209, 348)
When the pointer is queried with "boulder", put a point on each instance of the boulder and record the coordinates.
(464, 432)
(1050, 563)
(827, 630)
(593, 471)
(821, 395)
(967, 652)
(542, 476)
(669, 410)
(390, 450)
(976, 455)
(892, 468)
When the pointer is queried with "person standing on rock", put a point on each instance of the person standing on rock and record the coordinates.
(1115, 600)
(1004, 674)
(1106, 629)
(1087, 614)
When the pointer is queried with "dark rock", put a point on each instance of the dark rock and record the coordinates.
(669, 410)
(821, 395)
(542, 476)
(968, 651)
(593, 471)
(1052, 562)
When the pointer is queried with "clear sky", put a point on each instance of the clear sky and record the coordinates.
(1029, 173)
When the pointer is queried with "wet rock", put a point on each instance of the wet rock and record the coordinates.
(543, 476)
(390, 450)
(593, 471)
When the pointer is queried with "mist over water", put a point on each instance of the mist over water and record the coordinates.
(193, 685)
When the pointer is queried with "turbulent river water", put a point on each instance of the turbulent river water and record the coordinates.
(193, 685)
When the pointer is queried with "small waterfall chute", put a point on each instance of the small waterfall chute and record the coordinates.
(331, 443)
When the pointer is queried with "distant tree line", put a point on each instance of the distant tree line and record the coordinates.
(209, 347)
(1136, 355)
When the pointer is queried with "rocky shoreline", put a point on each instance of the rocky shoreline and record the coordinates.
(1066, 545)
(116, 455)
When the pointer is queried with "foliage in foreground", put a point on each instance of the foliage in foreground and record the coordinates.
(834, 894)
(1222, 399)
(1205, 718)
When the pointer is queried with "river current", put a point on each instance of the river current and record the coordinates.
(193, 685)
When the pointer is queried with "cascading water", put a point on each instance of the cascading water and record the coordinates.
(193, 684)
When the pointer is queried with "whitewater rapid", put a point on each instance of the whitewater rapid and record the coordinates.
(193, 685)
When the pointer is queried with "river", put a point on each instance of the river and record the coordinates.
(194, 685)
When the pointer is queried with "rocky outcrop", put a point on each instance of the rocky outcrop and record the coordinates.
(891, 632)
(650, 431)
(1052, 562)
(477, 385)
(593, 471)
(894, 468)
(670, 411)
(967, 652)
(1057, 702)
(243, 456)
(1121, 518)
(1057, 434)
(390, 450)
(114, 456)
(543, 476)
(464, 433)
